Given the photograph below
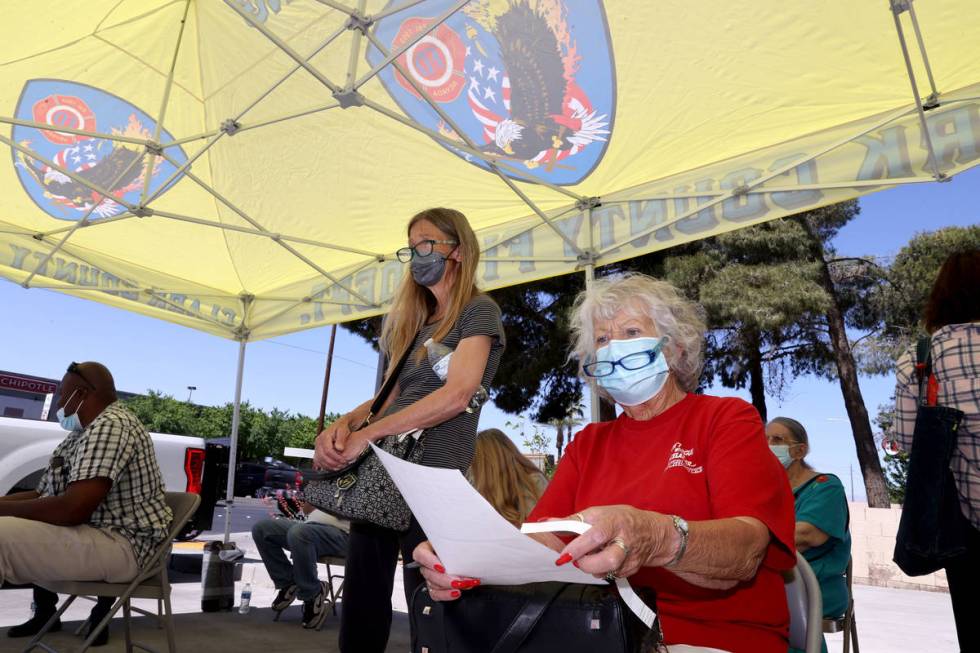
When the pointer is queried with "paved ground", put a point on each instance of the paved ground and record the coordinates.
(889, 620)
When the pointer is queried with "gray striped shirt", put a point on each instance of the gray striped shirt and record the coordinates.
(452, 443)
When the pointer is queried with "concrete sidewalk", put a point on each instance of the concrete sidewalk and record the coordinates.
(888, 620)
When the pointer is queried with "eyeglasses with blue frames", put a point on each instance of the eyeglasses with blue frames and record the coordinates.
(634, 361)
(423, 248)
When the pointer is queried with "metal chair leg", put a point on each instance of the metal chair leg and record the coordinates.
(169, 624)
(333, 595)
(127, 612)
(854, 634)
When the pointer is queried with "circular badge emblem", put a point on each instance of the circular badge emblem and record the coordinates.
(64, 111)
(436, 62)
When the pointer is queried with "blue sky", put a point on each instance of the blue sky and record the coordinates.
(42, 331)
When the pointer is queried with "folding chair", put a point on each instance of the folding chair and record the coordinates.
(846, 624)
(150, 583)
(336, 593)
(805, 608)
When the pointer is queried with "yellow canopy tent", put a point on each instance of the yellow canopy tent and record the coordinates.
(247, 167)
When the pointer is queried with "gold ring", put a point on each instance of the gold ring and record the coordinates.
(618, 541)
(611, 577)
(578, 516)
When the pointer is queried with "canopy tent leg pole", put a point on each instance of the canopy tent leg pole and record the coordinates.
(233, 451)
(898, 7)
(589, 278)
(326, 380)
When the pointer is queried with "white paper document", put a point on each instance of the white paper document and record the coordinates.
(471, 538)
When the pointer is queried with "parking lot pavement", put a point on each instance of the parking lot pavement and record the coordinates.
(221, 632)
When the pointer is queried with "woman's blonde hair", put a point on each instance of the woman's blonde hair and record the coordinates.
(415, 303)
(505, 478)
(677, 318)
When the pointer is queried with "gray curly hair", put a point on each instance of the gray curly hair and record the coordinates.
(676, 317)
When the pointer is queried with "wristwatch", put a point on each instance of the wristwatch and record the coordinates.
(680, 525)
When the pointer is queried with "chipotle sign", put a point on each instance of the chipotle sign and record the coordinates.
(13, 382)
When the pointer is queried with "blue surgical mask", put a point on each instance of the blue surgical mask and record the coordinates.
(70, 422)
(781, 451)
(633, 387)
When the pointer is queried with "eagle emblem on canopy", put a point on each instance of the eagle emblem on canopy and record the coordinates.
(530, 83)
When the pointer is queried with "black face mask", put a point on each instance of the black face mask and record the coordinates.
(428, 270)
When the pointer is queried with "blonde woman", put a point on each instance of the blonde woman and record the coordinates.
(505, 478)
(438, 300)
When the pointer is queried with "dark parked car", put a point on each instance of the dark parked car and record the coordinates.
(258, 477)
(282, 476)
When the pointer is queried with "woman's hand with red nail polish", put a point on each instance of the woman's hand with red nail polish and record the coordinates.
(442, 586)
(564, 558)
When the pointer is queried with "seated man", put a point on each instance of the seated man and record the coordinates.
(99, 510)
(320, 535)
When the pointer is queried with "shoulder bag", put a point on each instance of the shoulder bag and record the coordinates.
(932, 529)
(363, 491)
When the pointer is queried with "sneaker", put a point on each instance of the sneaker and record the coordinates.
(284, 598)
(315, 610)
(34, 625)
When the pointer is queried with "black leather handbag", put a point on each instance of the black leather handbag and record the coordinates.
(932, 529)
(363, 491)
(562, 617)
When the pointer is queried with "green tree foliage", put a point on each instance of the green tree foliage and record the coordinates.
(910, 277)
(260, 433)
(762, 304)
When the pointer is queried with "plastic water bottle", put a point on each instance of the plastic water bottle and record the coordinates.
(439, 356)
(243, 608)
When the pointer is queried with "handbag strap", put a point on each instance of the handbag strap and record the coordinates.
(525, 621)
(389, 384)
(928, 387)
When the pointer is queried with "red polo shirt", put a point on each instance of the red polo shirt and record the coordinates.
(704, 458)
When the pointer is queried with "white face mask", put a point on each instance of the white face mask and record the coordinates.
(631, 387)
(781, 451)
(70, 422)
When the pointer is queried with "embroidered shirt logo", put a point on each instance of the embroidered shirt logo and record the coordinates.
(681, 457)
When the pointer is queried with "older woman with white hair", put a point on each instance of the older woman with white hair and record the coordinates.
(681, 491)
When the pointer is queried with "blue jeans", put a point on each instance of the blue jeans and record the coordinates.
(307, 541)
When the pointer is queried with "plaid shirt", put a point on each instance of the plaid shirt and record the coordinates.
(956, 366)
(115, 446)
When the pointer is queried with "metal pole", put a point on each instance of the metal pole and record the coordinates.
(233, 452)
(896, 14)
(589, 278)
(326, 379)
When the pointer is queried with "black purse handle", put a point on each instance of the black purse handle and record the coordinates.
(525, 621)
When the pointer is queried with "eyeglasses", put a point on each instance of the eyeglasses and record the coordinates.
(75, 369)
(422, 249)
(634, 361)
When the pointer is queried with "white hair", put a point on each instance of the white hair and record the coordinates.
(676, 317)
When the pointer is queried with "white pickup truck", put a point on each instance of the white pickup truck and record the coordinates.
(26, 446)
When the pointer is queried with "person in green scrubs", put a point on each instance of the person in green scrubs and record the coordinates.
(822, 517)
